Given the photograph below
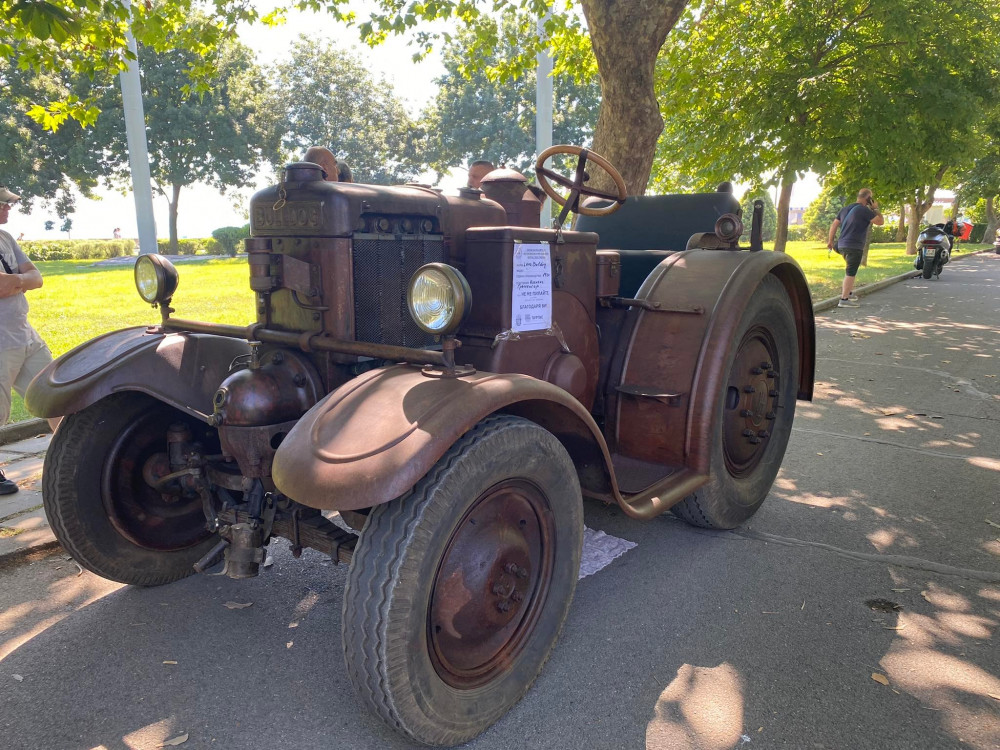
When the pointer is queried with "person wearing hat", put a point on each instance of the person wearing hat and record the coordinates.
(23, 354)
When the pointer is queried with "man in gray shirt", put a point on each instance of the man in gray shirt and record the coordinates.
(23, 354)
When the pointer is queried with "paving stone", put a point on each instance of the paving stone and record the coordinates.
(31, 445)
(23, 469)
(25, 500)
(35, 531)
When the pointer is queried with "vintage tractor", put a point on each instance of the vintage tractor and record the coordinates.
(453, 381)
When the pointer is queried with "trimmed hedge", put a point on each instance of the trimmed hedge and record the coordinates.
(230, 239)
(77, 249)
(203, 245)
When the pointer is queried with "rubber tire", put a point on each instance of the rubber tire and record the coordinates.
(928, 269)
(392, 573)
(71, 494)
(726, 501)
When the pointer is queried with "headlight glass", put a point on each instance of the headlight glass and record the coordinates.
(438, 298)
(155, 278)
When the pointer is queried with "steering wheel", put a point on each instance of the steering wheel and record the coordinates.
(577, 186)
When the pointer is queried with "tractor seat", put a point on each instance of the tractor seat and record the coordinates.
(648, 228)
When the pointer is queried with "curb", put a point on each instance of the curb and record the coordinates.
(29, 428)
(879, 285)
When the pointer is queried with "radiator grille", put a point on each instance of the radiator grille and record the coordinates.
(383, 266)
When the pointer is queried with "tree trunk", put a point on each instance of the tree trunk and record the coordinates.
(901, 227)
(913, 228)
(922, 202)
(627, 36)
(992, 220)
(174, 248)
(784, 201)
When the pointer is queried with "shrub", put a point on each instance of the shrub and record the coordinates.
(184, 247)
(77, 249)
(884, 233)
(798, 232)
(230, 239)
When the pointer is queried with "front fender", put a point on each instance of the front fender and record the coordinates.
(181, 369)
(373, 438)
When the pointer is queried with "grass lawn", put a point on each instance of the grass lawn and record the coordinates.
(81, 300)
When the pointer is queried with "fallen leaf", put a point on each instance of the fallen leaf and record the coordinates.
(878, 354)
(936, 416)
(268, 562)
(880, 678)
(899, 591)
(993, 524)
(169, 661)
(237, 605)
(289, 644)
(924, 595)
(819, 454)
(898, 627)
(18, 677)
(173, 742)
(803, 604)
(946, 361)
(889, 411)
(994, 696)
(293, 624)
(860, 336)
(867, 434)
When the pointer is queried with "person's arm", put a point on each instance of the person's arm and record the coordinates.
(27, 277)
(879, 220)
(833, 231)
(31, 277)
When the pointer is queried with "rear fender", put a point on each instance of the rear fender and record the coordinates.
(373, 438)
(181, 369)
(673, 364)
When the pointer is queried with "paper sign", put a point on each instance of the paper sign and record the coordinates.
(531, 303)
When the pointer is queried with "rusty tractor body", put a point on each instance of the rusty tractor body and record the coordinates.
(452, 380)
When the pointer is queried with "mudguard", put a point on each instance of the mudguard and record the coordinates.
(181, 369)
(373, 438)
(672, 366)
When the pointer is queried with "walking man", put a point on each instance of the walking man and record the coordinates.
(853, 220)
(23, 354)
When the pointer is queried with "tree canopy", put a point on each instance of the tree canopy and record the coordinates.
(221, 137)
(479, 116)
(339, 103)
(881, 91)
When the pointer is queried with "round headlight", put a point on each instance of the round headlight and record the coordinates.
(438, 298)
(155, 278)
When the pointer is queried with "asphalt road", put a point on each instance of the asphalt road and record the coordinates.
(765, 637)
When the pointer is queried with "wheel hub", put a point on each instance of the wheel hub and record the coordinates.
(490, 584)
(752, 401)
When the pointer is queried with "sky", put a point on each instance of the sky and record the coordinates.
(202, 208)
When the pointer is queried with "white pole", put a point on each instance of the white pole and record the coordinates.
(138, 155)
(543, 109)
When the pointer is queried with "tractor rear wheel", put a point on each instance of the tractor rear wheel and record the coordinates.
(755, 413)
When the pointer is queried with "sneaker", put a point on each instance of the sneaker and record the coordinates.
(853, 296)
(848, 303)
(7, 487)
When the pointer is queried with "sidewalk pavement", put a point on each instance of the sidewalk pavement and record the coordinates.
(24, 528)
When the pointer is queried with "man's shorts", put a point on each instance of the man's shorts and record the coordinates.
(18, 367)
(853, 258)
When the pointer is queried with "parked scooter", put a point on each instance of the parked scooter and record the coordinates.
(934, 249)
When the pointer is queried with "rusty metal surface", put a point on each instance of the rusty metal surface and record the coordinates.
(491, 585)
(282, 387)
(182, 370)
(373, 438)
(310, 342)
(679, 431)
